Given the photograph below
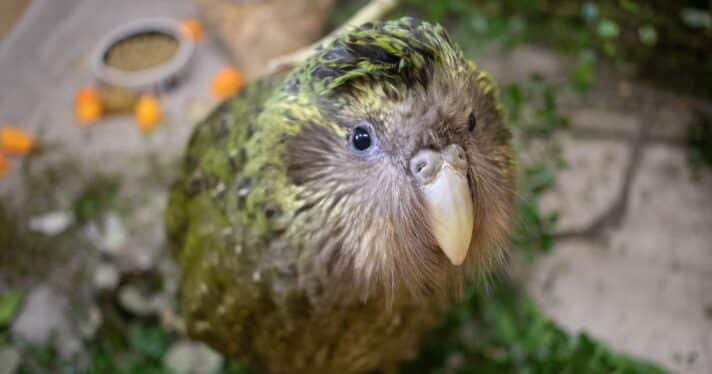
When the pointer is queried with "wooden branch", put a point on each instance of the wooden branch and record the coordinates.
(371, 12)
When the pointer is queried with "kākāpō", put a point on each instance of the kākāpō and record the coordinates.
(325, 221)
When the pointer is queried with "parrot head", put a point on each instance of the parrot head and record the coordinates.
(401, 160)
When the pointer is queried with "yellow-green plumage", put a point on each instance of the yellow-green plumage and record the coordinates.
(300, 256)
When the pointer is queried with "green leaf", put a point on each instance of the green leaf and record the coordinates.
(582, 76)
(696, 18)
(479, 24)
(582, 73)
(607, 29)
(540, 178)
(630, 5)
(610, 48)
(148, 340)
(648, 35)
(589, 11)
(513, 99)
(9, 304)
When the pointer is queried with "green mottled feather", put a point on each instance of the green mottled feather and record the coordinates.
(232, 215)
(390, 52)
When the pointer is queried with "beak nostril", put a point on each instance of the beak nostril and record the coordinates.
(420, 166)
(424, 165)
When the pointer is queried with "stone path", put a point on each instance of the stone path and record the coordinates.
(633, 264)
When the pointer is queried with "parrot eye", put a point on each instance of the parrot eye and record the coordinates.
(471, 122)
(361, 138)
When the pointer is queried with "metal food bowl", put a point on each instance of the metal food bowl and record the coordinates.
(159, 78)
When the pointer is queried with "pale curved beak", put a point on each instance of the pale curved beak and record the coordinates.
(451, 213)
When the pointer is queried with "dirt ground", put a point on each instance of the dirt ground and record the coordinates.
(10, 13)
(633, 263)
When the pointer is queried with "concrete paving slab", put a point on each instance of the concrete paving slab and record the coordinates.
(669, 221)
(643, 281)
(590, 183)
(520, 63)
(615, 109)
(646, 286)
(637, 305)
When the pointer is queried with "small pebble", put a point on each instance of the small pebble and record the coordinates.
(135, 302)
(51, 223)
(114, 233)
(44, 318)
(106, 277)
(191, 357)
(90, 325)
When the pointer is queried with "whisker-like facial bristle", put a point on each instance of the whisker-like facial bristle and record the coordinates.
(408, 88)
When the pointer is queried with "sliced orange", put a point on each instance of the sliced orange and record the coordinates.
(227, 82)
(3, 166)
(192, 29)
(14, 141)
(148, 113)
(87, 105)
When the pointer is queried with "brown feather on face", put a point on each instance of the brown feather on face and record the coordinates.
(364, 209)
(367, 211)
